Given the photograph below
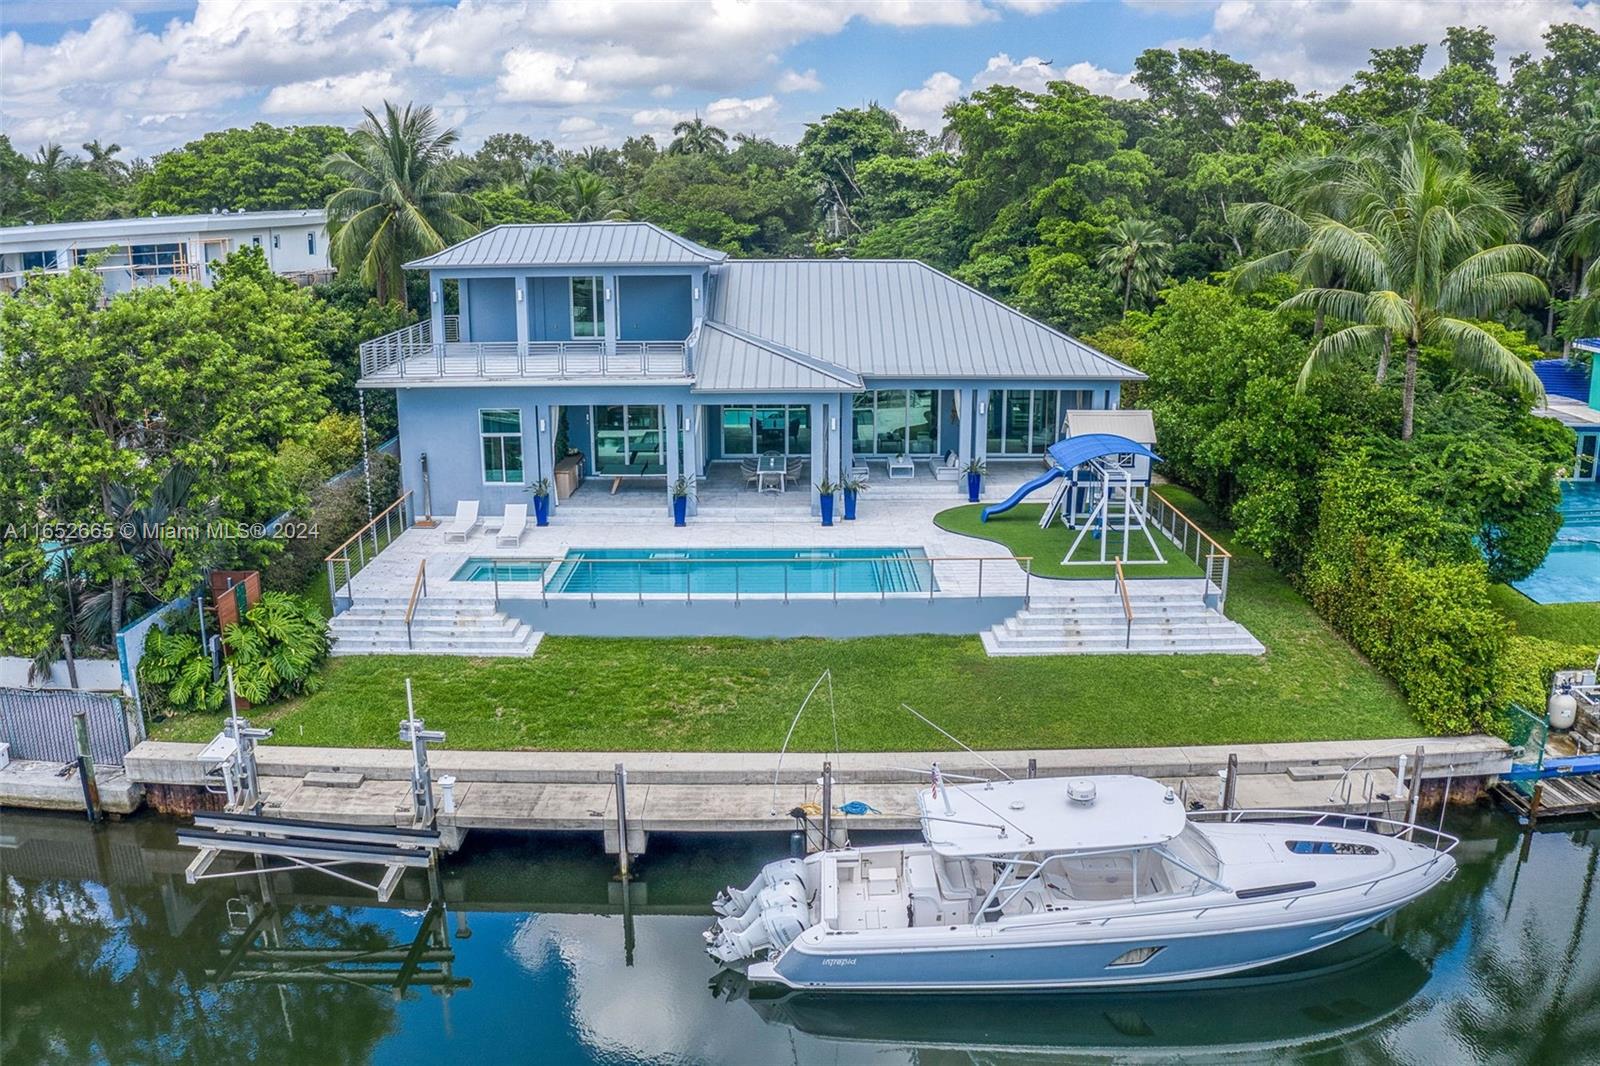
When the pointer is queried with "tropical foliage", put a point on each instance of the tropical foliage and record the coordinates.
(274, 651)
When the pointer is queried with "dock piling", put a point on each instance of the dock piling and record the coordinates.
(1230, 788)
(827, 806)
(619, 776)
(91, 791)
(1416, 789)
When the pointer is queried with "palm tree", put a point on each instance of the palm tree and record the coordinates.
(1135, 252)
(1421, 256)
(694, 137)
(588, 197)
(398, 201)
(542, 183)
(48, 169)
(103, 161)
(1570, 180)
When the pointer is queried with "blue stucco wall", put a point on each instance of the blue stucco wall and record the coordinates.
(549, 309)
(654, 308)
(491, 309)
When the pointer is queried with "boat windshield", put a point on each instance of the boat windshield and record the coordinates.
(1192, 849)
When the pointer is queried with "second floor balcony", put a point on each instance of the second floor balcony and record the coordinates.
(415, 354)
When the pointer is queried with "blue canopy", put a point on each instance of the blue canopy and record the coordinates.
(1075, 451)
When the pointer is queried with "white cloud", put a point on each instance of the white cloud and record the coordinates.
(924, 108)
(791, 82)
(342, 96)
(536, 77)
(745, 115)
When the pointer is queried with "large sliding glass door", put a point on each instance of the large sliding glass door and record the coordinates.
(896, 422)
(781, 428)
(628, 440)
(1027, 421)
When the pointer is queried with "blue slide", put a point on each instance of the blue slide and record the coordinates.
(1016, 497)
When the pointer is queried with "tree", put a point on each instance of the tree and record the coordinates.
(104, 162)
(98, 407)
(694, 137)
(1135, 252)
(587, 197)
(49, 173)
(836, 144)
(1422, 257)
(255, 168)
(1569, 177)
(398, 200)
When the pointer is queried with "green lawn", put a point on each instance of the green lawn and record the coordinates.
(730, 695)
(1018, 529)
(1570, 623)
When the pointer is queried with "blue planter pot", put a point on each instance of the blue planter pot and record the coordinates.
(680, 509)
(974, 481)
(849, 506)
(541, 510)
(827, 510)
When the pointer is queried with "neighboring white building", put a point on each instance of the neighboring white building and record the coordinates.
(140, 251)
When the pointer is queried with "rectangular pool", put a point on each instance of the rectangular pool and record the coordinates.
(1571, 572)
(719, 571)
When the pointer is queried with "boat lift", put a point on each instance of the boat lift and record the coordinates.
(292, 844)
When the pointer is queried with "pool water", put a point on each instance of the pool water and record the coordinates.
(719, 571)
(1571, 572)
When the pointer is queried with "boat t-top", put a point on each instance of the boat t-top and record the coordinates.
(1064, 883)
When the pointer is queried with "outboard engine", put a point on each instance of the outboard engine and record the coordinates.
(775, 927)
(738, 900)
(789, 890)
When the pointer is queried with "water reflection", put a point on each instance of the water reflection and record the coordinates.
(525, 948)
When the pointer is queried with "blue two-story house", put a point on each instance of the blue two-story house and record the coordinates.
(655, 357)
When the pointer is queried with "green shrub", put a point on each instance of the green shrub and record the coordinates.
(1391, 574)
(336, 511)
(1528, 664)
(274, 650)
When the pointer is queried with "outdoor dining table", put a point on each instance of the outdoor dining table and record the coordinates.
(771, 467)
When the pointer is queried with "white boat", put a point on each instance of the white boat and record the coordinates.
(1056, 883)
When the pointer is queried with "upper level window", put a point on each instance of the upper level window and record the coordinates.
(588, 307)
(160, 260)
(311, 243)
(501, 431)
(39, 260)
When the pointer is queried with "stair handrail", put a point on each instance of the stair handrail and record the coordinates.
(419, 585)
(381, 530)
(1127, 606)
(1214, 560)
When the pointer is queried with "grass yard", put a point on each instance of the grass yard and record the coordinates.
(1569, 623)
(738, 695)
(1018, 530)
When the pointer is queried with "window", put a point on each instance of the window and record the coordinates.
(628, 440)
(1025, 421)
(896, 422)
(501, 431)
(1135, 956)
(38, 260)
(256, 240)
(1329, 847)
(275, 243)
(588, 307)
(157, 260)
(311, 243)
(114, 255)
(756, 430)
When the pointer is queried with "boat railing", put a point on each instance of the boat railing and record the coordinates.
(1442, 844)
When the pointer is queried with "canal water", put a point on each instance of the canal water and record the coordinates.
(521, 952)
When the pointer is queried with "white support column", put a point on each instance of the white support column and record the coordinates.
(835, 430)
(521, 308)
(847, 435)
(965, 417)
(691, 450)
(609, 285)
(436, 307)
(551, 413)
(819, 452)
(463, 310)
(672, 421)
(980, 425)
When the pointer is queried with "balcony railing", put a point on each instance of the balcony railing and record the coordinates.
(413, 354)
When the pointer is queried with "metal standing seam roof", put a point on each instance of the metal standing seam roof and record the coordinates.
(1135, 424)
(572, 244)
(897, 318)
(729, 360)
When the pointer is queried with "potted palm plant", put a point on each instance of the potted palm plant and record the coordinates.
(682, 489)
(827, 489)
(851, 486)
(975, 471)
(541, 501)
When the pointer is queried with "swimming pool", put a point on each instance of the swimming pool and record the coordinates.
(718, 571)
(1571, 572)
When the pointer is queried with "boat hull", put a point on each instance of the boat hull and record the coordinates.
(992, 963)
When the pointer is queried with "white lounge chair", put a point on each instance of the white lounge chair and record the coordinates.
(511, 527)
(859, 471)
(949, 470)
(464, 522)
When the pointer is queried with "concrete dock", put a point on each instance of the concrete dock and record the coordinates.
(732, 792)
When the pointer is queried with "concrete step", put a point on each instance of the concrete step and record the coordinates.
(1208, 645)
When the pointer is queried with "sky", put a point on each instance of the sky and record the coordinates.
(153, 74)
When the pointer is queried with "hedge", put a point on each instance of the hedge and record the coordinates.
(337, 509)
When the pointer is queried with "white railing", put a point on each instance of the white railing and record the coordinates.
(412, 353)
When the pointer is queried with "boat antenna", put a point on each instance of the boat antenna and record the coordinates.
(947, 736)
(827, 675)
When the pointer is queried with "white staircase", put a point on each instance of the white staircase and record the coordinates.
(441, 625)
(1093, 623)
